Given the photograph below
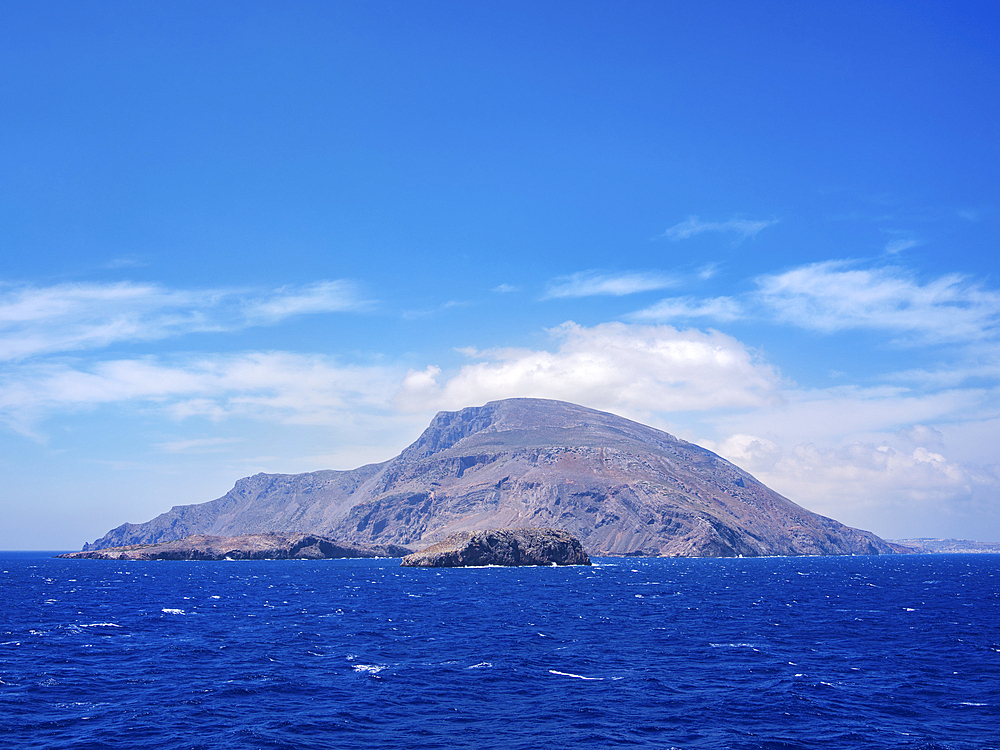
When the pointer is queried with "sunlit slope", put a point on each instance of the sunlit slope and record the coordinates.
(619, 486)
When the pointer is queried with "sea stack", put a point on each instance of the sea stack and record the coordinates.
(507, 547)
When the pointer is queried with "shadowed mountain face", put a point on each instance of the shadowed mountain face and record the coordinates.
(619, 486)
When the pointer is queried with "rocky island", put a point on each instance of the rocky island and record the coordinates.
(620, 487)
(246, 547)
(508, 547)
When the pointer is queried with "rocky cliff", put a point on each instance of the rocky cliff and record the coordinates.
(619, 486)
(509, 547)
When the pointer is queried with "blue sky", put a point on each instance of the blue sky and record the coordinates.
(256, 236)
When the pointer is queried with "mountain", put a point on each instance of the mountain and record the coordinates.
(619, 486)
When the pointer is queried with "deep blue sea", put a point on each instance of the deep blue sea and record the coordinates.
(856, 652)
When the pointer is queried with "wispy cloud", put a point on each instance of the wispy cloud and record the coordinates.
(320, 297)
(505, 288)
(720, 308)
(279, 387)
(71, 317)
(707, 271)
(896, 246)
(836, 296)
(125, 261)
(595, 283)
(693, 226)
(430, 312)
(842, 295)
(198, 445)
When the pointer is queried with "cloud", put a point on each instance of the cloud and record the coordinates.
(835, 296)
(840, 295)
(430, 312)
(593, 283)
(920, 435)
(320, 297)
(720, 308)
(631, 369)
(693, 226)
(73, 317)
(831, 416)
(505, 288)
(708, 270)
(895, 492)
(125, 261)
(279, 387)
(198, 445)
(894, 247)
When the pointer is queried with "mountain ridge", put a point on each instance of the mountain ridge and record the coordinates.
(620, 486)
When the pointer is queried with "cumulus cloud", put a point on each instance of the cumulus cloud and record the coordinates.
(615, 366)
(921, 436)
(594, 283)
(72, 317)
(896, 492)
(693, 226)
(835, 296)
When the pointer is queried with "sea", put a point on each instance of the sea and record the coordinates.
(899, 652)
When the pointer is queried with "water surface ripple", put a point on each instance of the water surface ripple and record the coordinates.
(747, 654)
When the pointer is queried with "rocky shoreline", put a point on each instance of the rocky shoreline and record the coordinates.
(270, 546)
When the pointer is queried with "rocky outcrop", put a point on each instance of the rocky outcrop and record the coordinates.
(507, 547)
(246, 547)
(620, 487)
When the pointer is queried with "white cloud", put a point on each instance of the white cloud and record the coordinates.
(198, 445)
(593, 283)
(505, 288)
(280, 387)
(626, 368)
(693, 226)
(895, 492)
(894, 247)
(719, 308)
(834, 296)
(125, 261)
(899, 462)
(73, 317)
(921, 436)
(831, 416)
(320, 297)
(708, 270)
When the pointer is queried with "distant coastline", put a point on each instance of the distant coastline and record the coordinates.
(966, 546)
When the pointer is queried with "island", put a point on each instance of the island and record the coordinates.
(507, 547)
(620, 487)
(269, 546)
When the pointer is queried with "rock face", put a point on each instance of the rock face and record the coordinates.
(246, 547)
(619, 486)
(501, 547)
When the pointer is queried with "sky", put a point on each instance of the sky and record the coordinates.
(280, 236)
